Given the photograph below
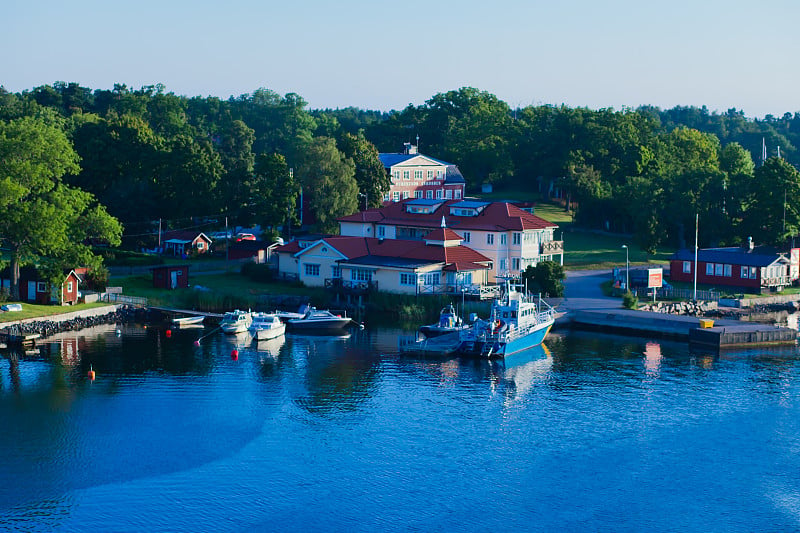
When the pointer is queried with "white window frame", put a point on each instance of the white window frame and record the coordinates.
(503, 239)
(408, 279)
(418, 193)
(467, 236)
(490, 238)
(311, 269)
(396, 196)
(516, 238)
(438, 194)
(687, 267)
(709, 269)
(727, 271)
(745, 272)
(406, 174)
(360, 274)
(429, 194)
(458, 194)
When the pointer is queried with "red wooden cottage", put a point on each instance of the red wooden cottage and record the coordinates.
(34, 289)
(747, 268)
(171, 277)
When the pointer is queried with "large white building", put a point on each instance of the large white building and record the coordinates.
(511, 237)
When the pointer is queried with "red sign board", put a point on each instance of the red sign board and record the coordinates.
(654, 278)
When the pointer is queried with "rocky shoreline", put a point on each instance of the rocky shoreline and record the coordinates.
(50, 326)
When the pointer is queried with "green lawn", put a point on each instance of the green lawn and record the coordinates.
(36, 310)
(231, 287)
(583, 249)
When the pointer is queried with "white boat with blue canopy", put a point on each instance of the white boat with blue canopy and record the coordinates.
(516, 323)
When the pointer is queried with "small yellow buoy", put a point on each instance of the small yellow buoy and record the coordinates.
(91, 373)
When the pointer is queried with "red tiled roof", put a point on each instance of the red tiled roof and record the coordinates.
(443, 234)
(496, 216)
(357, 247)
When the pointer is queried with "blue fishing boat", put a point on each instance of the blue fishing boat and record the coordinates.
(516, 323)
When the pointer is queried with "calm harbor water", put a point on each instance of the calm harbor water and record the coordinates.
(320, 433)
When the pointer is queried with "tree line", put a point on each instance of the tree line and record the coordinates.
(147, 154)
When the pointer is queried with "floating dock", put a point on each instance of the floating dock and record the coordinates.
(705, 332)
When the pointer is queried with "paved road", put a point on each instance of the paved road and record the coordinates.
(582, 291)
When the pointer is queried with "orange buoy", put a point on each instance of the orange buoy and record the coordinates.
(234, 354)
(91, 373)
(169, 333)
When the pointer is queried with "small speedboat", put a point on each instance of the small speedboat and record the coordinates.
(236, 321)
(449, 322)
(288, 315)
(266, 326)
(320, 320)
(188, 320)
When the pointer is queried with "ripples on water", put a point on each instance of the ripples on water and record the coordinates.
(344, 434)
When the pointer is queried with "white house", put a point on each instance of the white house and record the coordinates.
(511, 237)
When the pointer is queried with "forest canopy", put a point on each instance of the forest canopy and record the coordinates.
(148, 154)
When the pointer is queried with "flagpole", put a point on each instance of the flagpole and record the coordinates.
(696, 225)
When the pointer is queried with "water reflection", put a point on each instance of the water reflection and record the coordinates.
(338, 375)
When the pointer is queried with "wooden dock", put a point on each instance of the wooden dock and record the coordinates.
(191, 312)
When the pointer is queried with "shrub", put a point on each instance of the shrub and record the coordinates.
(629, 301)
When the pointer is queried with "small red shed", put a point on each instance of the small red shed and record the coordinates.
(171, 277)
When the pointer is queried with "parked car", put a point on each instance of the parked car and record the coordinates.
(245, 237)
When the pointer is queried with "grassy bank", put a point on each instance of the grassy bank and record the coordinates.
(43, 311)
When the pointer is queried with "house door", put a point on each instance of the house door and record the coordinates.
(31, 291)
(173, 279)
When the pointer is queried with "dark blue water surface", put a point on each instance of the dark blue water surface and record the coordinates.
(343, 434)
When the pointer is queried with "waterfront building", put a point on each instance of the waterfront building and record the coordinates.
(512, 238)
(437, 264)
(747, 268)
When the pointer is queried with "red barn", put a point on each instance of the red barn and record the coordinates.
(747, 268)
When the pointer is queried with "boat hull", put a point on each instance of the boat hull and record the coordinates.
(503, 349)
(328, 324)
(189, 320)
(264, 334)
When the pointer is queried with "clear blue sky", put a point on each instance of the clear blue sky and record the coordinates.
(386, 54)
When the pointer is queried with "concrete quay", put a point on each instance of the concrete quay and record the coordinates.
(585, 307)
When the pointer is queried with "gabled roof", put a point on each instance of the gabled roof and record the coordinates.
(390, 160)
(761, 256)
(443, 234)
(184, 235)
(358, 249)
(496, 216)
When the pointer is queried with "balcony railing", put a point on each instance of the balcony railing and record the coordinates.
(779, 281)
(482, 292)
(552, 247)
(349, 286)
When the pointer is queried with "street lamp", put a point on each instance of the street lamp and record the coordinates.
(627, 269)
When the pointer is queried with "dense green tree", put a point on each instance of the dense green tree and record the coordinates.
(371, 176)
(774, 213)
(470, 128)
(273, 192)
(41, 218)
(328, 182)
(547, 278)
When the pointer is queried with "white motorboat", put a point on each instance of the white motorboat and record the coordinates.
(236, 321)
(266, 326)
(320, 320)
(449, 322)
(188, 320)
(288, 315)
